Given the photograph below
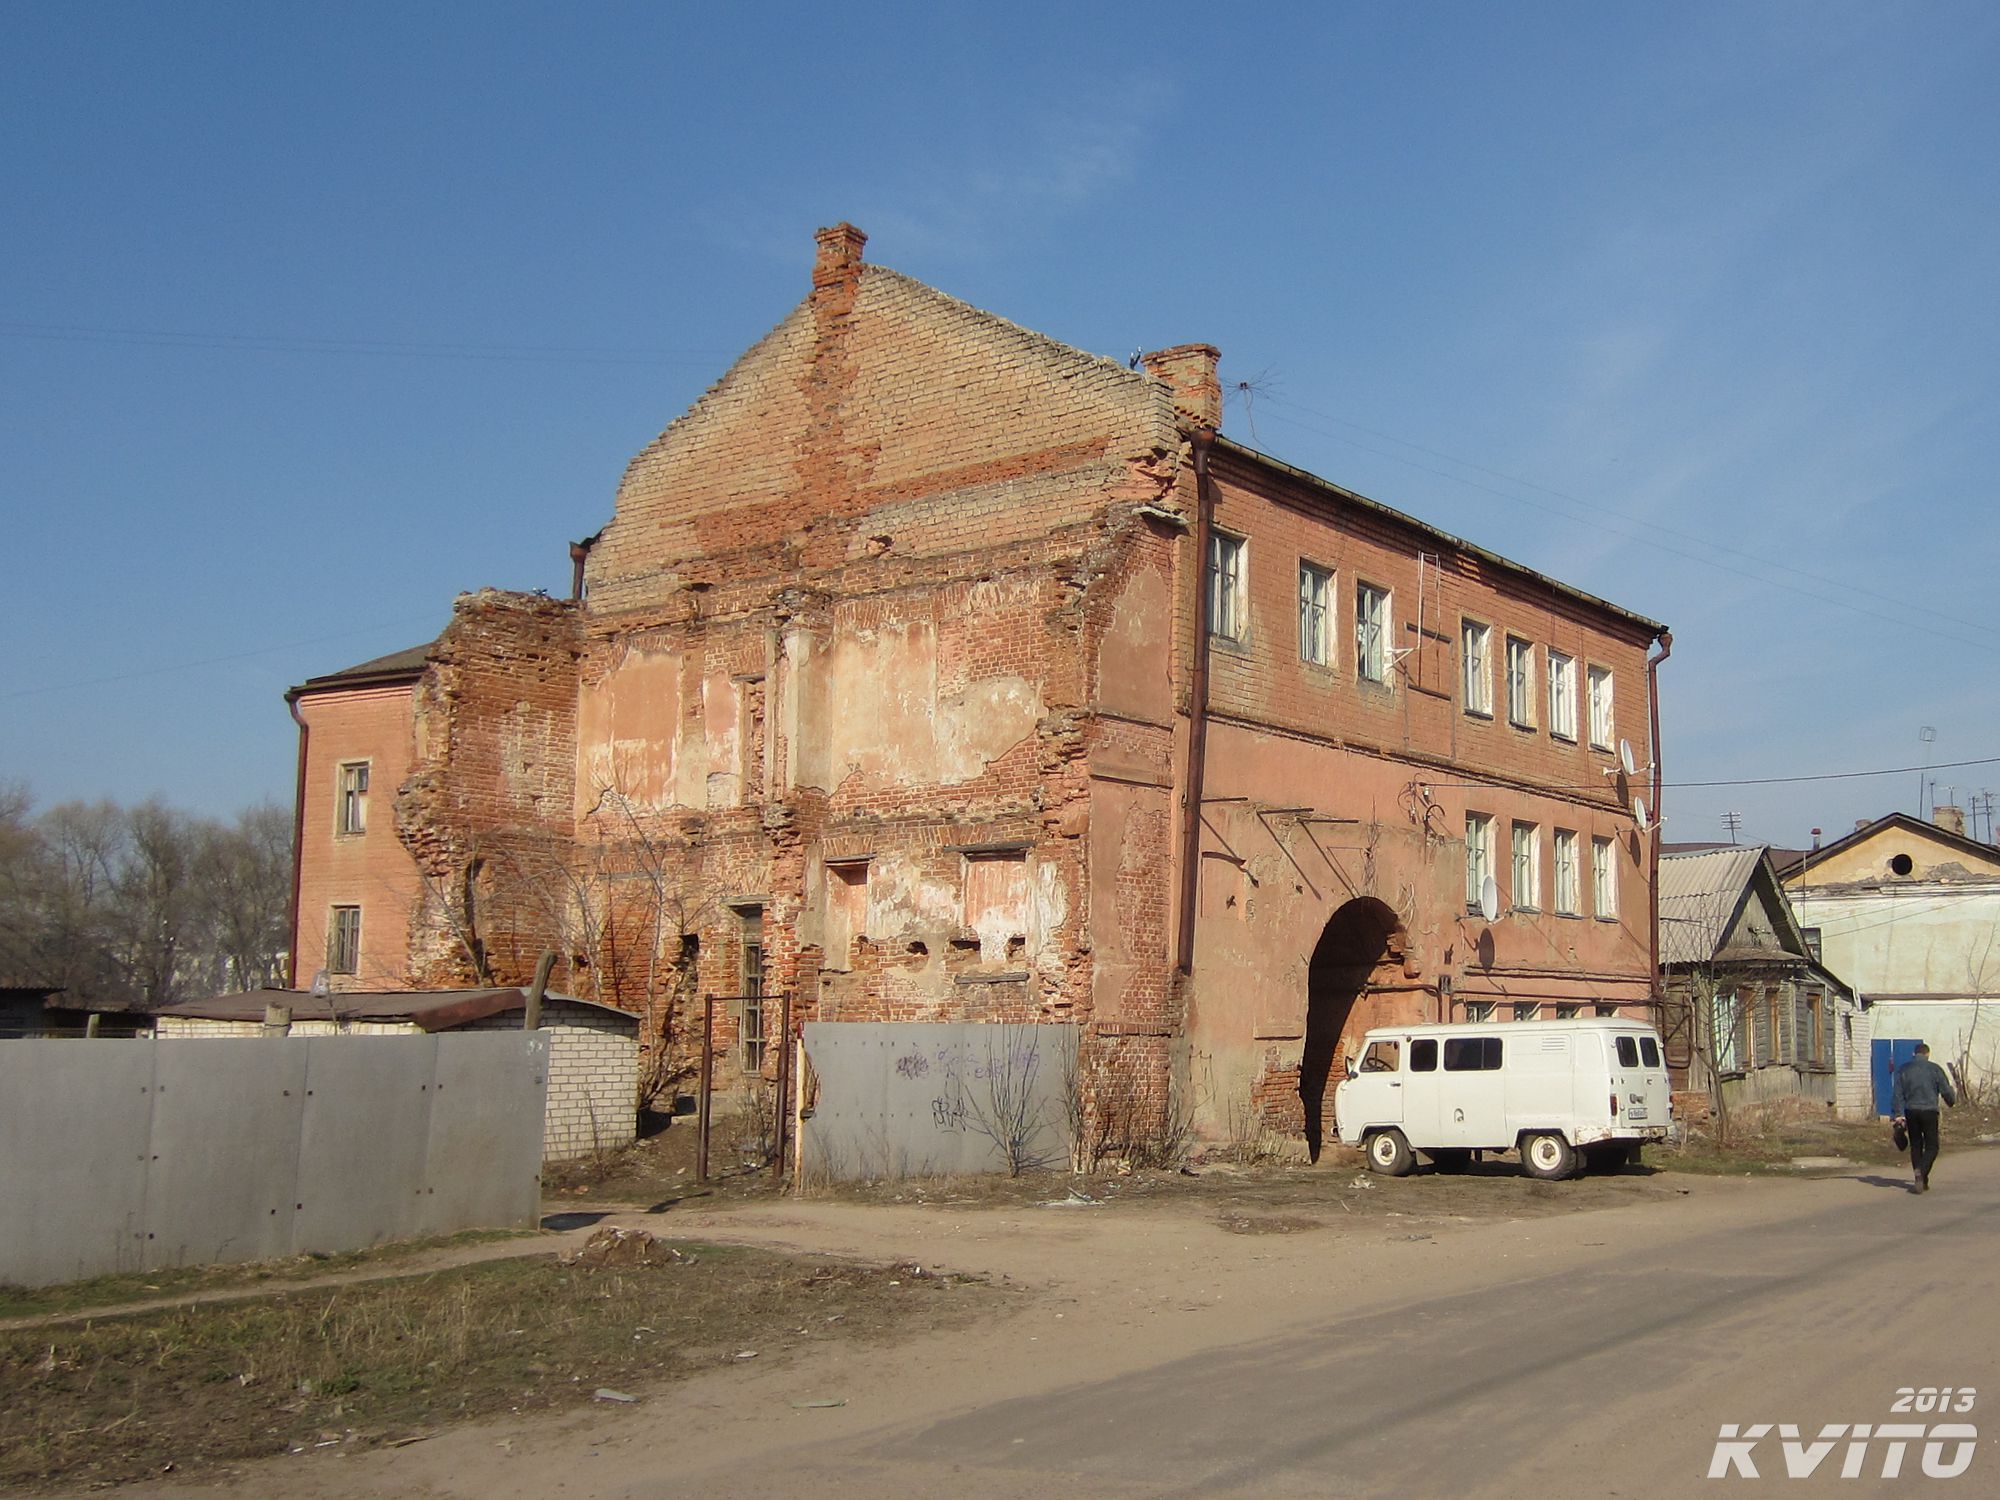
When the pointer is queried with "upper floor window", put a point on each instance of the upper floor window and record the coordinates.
(1228, 604)
(1600, 707)
(1475, 646)
(1567, 882)
(1562, 695)
(1371, 632)
(343, 940)
(1527, 867)
(1603, 878)
(1478, 856)
(350, 802)
(1315, 615)
(1520, 682)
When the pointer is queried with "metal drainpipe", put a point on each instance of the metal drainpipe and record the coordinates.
(1197, 753)
(298, 838)
(1666, 639)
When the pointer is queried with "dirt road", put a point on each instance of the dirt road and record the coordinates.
(1160, 1354)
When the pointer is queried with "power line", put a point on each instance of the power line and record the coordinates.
(247, 343)
(208, 661)
(1673, 786)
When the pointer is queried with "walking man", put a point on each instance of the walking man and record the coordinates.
(1920, 1083)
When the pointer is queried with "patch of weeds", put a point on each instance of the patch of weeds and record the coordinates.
(152, 1286)
(119, 1399)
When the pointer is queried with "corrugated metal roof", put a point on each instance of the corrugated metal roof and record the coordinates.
(1699, 893)
(428, 1010)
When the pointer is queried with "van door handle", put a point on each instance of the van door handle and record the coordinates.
(1395, 1085)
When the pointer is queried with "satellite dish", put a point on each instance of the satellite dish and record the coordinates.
(1489, 898)
(319, 984)
(1626, 758)
(1641, 816)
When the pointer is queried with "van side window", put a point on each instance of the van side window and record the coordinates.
(1381, 1057)
(1424, 1055)
(1628, 1052)
(1650, 1050)
(1471, 1054)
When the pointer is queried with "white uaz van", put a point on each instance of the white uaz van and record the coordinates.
(1559, 1092)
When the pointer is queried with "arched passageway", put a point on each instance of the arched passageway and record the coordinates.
(1360, 938)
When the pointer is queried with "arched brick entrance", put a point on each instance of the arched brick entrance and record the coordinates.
(1361, 941)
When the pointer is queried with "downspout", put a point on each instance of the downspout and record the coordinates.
(1666, 639)
(1197, 751)
(298, 837)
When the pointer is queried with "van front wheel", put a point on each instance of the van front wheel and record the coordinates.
(1389, 1153)
(1548, 1156)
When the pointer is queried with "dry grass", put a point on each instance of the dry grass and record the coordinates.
(152, 1286)
(124, 1398)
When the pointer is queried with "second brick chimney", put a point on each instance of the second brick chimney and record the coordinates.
(1189, 371)
(839, 258)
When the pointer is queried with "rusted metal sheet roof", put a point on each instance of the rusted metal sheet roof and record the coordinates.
(428, 1010)
(1699, 894)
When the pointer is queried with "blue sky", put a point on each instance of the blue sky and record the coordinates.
(311, 318)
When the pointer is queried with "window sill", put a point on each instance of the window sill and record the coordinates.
(1483, 714)
(1233, 644)
(1560, 738)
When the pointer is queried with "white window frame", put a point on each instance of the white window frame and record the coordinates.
(350, 798)
(1478, 856)
(1316, 604)
(1562, 695)
(1602, 724)
(1228, 601)
(1569, 893)
(1525, 866)
(1527, 1010)
(1475, 653)
(1372, 615)
(1604, 878)
(347, 962)
(1520, 668)
(1479, 1011)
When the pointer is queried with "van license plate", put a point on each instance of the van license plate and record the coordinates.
(1636, 1112)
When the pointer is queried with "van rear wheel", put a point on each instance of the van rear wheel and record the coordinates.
(1548, 1156)
(1389, 1153)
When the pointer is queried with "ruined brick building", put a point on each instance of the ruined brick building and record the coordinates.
(931, 669)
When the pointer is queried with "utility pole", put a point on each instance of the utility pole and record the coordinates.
(1733, 821)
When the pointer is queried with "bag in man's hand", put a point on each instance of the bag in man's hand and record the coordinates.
(1900, 1135)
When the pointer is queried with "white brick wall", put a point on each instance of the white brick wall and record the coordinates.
(593, 1068)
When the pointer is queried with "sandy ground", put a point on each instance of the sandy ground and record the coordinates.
(1104, 1291)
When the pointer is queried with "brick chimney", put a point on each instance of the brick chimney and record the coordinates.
(1189, 371)
(1950, 819)
(839, 257)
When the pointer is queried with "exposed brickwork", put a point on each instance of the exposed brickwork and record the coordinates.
(885, 665)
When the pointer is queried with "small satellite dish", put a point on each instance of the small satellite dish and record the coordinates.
(1626, 758)
(1489, 898)
(319, 984)
(1641, 815)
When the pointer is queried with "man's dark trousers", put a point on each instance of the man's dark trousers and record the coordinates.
(1923, 1125)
